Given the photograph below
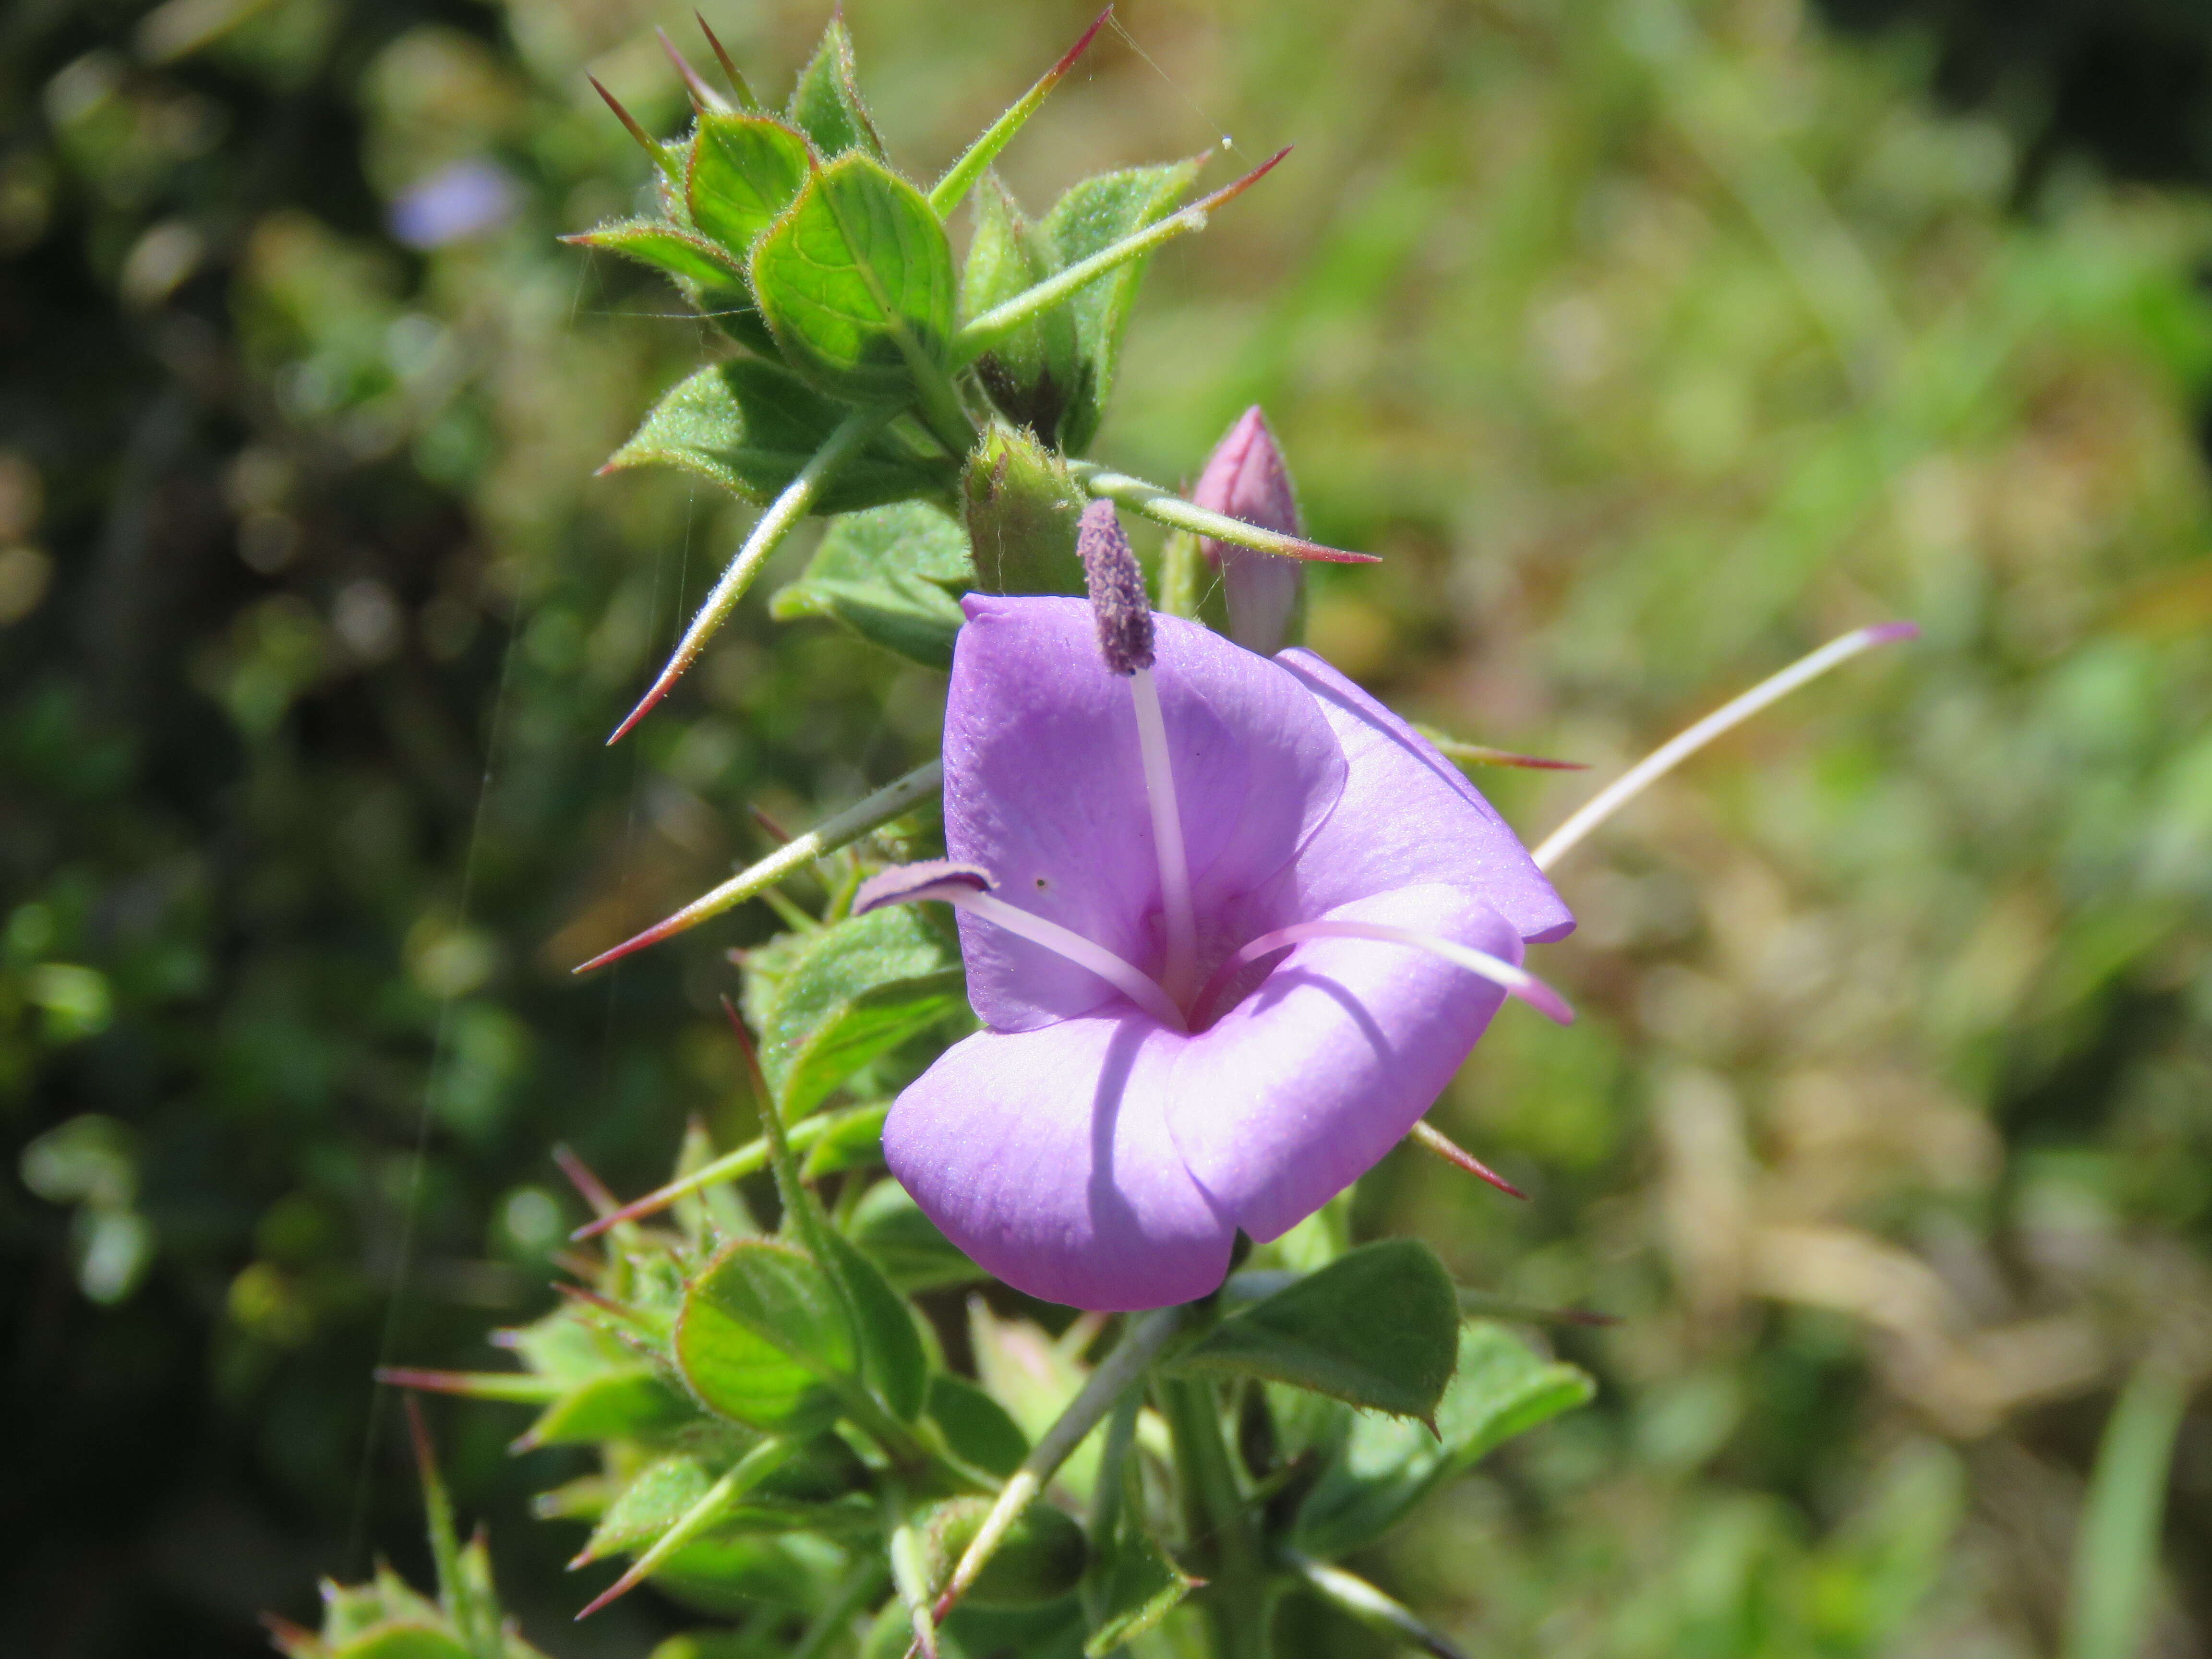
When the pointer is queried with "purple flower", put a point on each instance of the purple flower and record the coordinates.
(1230, 924)
(1245, 479)
(455, 203)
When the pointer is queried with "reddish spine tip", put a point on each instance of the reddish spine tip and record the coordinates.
(646, 704)
(1316, 551)
(1236, 187)
(1067, 58)
(581, 1178)
(1884, 633)
(652, 935)
(623, 116)
(621, 1587)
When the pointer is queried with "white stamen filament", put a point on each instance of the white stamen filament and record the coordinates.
(1516, 982)
(1182, 920)
(1664, 759)
(1129, 980)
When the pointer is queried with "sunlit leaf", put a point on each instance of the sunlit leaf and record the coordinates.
(744, 170)
(826, 104)
(762, 1325)
(854, 992)
(856, 283)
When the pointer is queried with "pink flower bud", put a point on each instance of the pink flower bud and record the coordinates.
(1245, 479)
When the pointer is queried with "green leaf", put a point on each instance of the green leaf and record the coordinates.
(856, 991)
(669, 249)
(1030, 372)
(663, 1494)
(892, 1362)
(889, 1226)
(749, 426)
(702, 271)
(631, 1401)
(744, 172)
(1138, 1587)
(890, 575)
(762, 1330)
(1385, 1466)
(850, 1139)
(975, 1426)
(826, 104)
(1092, 215)
(1376, 1328)
(1040, 1558)
(856, 283)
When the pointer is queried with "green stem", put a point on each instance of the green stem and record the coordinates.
(826, 837)
(1166, 506)
(985, 332)
(1219, 1521)
(748, 1159)
(1139, 1346)
(796, 502)
(947, 192)
(721, 1498)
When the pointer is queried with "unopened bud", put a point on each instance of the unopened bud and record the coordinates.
(1245, 479)
(1117, 590)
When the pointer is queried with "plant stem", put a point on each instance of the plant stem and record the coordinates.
(796, 502)
(826, 837)
(1217, 1521)
(1139, 1346)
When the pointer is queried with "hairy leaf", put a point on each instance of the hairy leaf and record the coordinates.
(1032, 372)
(856, 283)
(854, 992)
(890, 575)
(744, 172)
(749, 426)
(889, 1226)
(826, 104)
(762, 1325)
(1376, 1328)
(1093, 215)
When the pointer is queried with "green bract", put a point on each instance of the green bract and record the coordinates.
(835, 277)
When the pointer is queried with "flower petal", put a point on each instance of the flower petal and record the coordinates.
(1045, 1156)
(1407, 816)
(1297, 1091)
(1044, 787)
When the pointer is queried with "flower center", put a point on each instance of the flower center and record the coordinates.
(1124, 615)
(1207, 1006)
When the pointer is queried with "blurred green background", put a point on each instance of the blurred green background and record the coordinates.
(1651, 341)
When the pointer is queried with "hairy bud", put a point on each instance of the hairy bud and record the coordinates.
(1117, 590)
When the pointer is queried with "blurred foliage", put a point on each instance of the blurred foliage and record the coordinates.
(1649, 340)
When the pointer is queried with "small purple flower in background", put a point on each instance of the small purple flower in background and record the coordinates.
(1230, 924)
(456, 201)
(1245, 479)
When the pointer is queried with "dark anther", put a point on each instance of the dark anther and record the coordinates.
(1117, 590)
